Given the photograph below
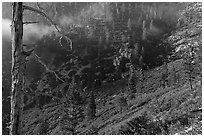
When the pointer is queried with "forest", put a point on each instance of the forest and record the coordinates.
(101, 68)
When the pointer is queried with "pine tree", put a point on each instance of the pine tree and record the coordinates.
(91, 110)
(76, 113)
(144, 30)
(133, 79)
(65, 124)
(189, 65)
(141, 73)
(165, 75)
(129, 25)
(144, 37)
(68, 113)
(121, 102)
(165, 70)
(188, 39)
(44, 127)
(175, 77)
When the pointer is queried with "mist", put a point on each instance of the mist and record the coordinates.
(31, 33)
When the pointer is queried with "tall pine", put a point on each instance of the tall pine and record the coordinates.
(76, 112)
(91, 109)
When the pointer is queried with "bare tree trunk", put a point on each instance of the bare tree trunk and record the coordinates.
(18, 69)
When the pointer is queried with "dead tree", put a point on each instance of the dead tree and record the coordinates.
(19, 62)
(18, 69)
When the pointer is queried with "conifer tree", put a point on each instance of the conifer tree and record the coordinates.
(141, 71)
(144, 37)
(132, 80)
(165, 70)
(71, 111)
(44, 127)
(91, 109)
(175, 77)
(165, 75)
(76, 112)
(121, 102)
(189, 64)
(188, 39)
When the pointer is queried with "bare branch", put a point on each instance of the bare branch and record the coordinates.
(47, 69)
(42, 93)
(46, 94)
(30, 22)
(39, 6)
(50, 21)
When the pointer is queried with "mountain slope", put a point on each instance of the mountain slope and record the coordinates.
(173, 110)
(173, 106)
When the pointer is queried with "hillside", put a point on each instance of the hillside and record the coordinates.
(173, 110)
(159, 111)
(128, 69)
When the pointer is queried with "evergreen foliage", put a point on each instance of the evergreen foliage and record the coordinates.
(91, 108)
(132, 41)
(164, 78)
(67, 114)
(133, 80)
(76, 112)
(188, 39)
(175, 77)
(142, 125)
(44, 127)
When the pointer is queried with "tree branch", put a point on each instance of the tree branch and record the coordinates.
(30, 22)
(50, 21)
(46, 94)
(47, 69)
(39, 6)
(42, 93)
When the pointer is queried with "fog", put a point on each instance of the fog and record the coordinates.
(31, 32)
